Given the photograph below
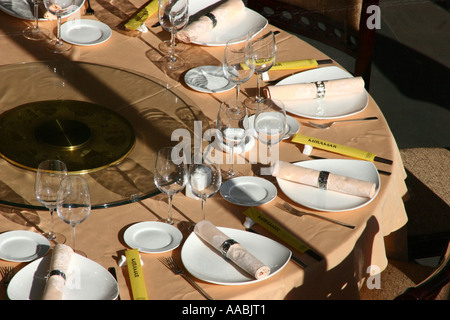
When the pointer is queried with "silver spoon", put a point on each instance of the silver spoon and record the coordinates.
(329, 124)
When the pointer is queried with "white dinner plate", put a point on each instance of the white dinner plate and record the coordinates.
(207, 264)
(328, 107)
(153, 237)
(293, 126)
(248, 191)
(236, 29)
(23, 9)
(85, 32)
(21, 246)
(208, 79)
(325, 200)
(86, 280)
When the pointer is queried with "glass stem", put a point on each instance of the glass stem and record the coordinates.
(73, 237)
(36, 23)
(258, 86)
(58, 34)
(169, 213)
(238, 88)
(203, 206)
(172, 38)
(51, 222)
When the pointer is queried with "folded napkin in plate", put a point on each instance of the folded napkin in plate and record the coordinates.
(313, 90)
(231, 249)
(220, 15)
(323, 179)
(59, 265)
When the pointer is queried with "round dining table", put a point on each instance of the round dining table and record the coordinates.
(124, 73)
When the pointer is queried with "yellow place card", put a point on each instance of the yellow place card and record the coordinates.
(136, 275)
(142, 15)
(288, 65)
(333, 147)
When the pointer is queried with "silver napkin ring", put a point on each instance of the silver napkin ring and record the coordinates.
(57, 273)
(323, 180)
(226, 246)
(212, 17)
(320, 89)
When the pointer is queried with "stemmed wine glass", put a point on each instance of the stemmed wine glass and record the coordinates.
(173, 15)
(231, 125)
(170, 175)
(270, 123)
(34, 32)
(58, 8)
(264, 52)
(48, 178)
(74, 203)
(238, 63)
(205, 180)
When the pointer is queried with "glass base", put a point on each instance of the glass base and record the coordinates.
(56, 46)
(252, 103)
(55, 237)
(179, 224)
(172, 63)
(164, 47)
(35, 34)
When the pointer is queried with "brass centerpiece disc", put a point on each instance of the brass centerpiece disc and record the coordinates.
(85, 136)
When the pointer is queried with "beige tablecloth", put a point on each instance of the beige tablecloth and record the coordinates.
(347, 253)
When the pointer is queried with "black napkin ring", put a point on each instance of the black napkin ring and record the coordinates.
(226, 246)
(320, 89)
(323, 180)
(57, 273)
(212, 17)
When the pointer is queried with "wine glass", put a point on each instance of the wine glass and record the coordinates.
(270, 123)
(231, 123)
(205, 180)
(34, 32)
(58, 8)
(264, 52)
(74, 203)
(172, 15)
(238, 63)
(48, 178)
(170, 175)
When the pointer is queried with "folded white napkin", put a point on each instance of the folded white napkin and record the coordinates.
(299, 91)
(59, 266)
(328, 181)
(231, 249)
(220, 15)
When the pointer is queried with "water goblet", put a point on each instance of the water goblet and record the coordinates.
(48, 178)
(238, 63)
(58, 8)
(205, 180)
(231, 125)
(34, 32)
(74, 203)
(264, 52)
(172, 15)
(170, 175)
(270, 123)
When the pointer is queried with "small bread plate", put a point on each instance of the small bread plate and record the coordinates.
(22, 246)
(85, 32)
(292, 126)
(207, 264)
(24, 9)
(328, 107)
(325, 200)
(153, 237)
(208, 79)
(248, 191)
(86, 280)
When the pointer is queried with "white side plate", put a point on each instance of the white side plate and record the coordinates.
(248, 191)
(22, 246)
(84, 32)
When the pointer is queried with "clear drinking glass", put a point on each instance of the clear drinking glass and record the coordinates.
(231, 125)
(58, 8)
(34, 32)
(238, 63)
(74, 203)
(48, 178)
(264, 52)
(205, 180)
(270, 123)
(170, 175)
(172, 15)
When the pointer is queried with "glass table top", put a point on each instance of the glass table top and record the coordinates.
(152, 110)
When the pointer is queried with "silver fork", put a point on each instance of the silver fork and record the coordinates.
(7, 274)
(329, 124)
(171, 264)
(301, 213)
(89, 10)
